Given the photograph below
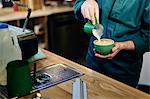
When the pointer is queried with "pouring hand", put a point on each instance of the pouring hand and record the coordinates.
(90, 10)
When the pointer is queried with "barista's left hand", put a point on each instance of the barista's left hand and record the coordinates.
(127, 45)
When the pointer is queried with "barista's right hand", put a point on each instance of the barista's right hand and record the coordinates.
(90, 10)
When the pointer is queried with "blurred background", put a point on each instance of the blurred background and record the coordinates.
(54, 23)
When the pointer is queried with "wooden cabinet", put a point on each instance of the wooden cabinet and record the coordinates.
(38, 21)
(40, 29)
(33, 4)
(64, 35)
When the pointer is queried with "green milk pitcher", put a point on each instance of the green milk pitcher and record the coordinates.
(89, 26)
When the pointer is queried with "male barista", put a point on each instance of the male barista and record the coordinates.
(127, 22)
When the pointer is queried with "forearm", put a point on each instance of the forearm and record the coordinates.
(77, 9)
(127, 45)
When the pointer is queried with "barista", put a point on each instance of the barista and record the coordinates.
(127, 23)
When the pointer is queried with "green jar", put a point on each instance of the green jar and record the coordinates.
(19, 81)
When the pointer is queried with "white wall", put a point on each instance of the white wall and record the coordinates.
(145, 72)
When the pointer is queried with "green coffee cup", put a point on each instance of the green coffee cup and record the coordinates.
(103, 46)
(19, 81)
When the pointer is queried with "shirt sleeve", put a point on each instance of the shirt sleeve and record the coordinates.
(77, 10)
(142, 41)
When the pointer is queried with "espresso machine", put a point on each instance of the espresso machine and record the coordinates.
(26, 38)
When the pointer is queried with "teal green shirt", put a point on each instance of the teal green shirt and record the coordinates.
(123, 20)
(131, 20)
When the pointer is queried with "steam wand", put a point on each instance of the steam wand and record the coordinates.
(26, 21)
(28, 15)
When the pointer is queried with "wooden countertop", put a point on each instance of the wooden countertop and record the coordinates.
(99, 86)
(38, 13)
